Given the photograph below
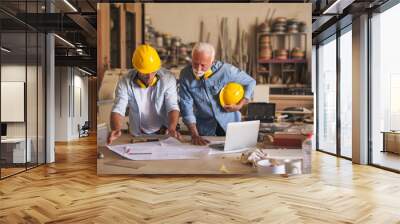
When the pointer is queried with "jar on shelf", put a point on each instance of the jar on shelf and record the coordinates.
(281, 54)
(265, 51)
(297, 53)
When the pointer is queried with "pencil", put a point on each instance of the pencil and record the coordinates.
(140, 153)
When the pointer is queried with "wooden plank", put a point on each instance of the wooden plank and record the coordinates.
(69, 191)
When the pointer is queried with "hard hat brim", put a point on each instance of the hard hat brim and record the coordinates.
(221, 98)
(146, 72)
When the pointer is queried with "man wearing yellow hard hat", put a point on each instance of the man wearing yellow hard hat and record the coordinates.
(211, 94)
(150, 93)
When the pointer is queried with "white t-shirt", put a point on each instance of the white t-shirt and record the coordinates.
(150, 122)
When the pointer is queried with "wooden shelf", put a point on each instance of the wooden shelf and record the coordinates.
(296, 67)
(281, 34)
(296, 85)
(278, 61)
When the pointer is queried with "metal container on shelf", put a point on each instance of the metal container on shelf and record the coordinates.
(280, 20)
(167, 40)
(302, 27)
(293, 28)
(176, 42)
(264, 27)
(159, 41)
(292, 21)
(280, 25)
(280, 29)
(163, 53)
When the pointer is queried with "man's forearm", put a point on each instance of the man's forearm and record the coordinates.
(193, 129)
(116, 121)
(173, 118)
(244, 101)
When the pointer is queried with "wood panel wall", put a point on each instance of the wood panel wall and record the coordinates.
(103, 34)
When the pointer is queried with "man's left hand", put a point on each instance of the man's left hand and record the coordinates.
(237, 107)
(232, 108)
(175, 134)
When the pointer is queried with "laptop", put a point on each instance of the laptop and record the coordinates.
(239, 136)
(265, 112)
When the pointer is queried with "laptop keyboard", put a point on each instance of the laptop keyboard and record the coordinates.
(218, 146)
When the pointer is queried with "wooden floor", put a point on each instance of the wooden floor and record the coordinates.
(70, 192)
(5, 172)
(387, 159)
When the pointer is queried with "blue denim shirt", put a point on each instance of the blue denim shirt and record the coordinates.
(199, 99)
(165, 98)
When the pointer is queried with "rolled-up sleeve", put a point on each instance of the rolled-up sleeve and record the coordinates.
(239, 76)
(121, 98)
(186, 103)
(171, 96)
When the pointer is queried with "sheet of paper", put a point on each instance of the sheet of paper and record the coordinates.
(163, 150)
(171, 142)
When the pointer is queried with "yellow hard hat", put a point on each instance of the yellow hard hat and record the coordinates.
(231, 94)
(145, 59)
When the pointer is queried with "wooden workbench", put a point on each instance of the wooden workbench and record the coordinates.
(112, 163)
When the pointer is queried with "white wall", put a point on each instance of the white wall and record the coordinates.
(79, 117)
(70, 83)
(61, 103)
(17, 72)
(33, 127)
(13, 73)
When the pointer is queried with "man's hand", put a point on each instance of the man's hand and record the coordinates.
(113, 135)
(175, 134)
(198, 140)
(237, 107)
(173, 117)
(116, 126)
(232, 108)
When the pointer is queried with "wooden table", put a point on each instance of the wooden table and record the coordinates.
(112, 163)
(15, 152)
(391, 141)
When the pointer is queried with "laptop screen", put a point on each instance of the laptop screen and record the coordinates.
(261, 111)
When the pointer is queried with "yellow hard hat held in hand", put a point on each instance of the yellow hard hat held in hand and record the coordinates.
(145, 59)
(231, 94)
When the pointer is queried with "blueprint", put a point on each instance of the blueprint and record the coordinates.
(168, 149)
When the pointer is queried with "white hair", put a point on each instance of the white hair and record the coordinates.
(204, 47)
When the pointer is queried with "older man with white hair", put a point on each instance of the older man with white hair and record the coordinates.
(199, 86)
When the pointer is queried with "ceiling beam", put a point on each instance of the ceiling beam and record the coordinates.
(84, 24)
(337, 7)
(82, 61)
